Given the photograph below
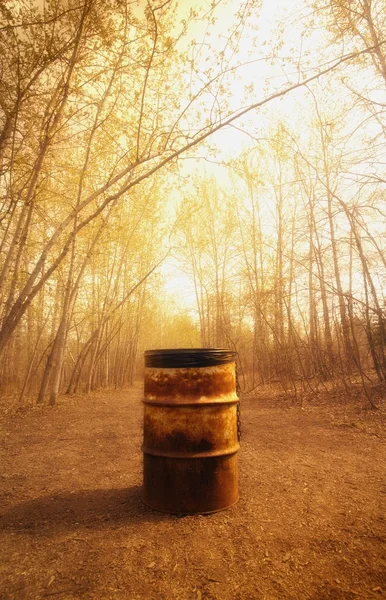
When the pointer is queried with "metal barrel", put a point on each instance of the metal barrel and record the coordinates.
(190, 439)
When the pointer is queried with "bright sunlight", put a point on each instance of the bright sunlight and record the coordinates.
(205, 178)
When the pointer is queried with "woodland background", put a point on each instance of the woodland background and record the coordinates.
(241, 151)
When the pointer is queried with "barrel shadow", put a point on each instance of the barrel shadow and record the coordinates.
(89, 509)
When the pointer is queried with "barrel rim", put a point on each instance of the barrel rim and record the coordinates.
(188, 357)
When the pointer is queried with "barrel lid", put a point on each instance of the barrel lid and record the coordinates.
(175, 358)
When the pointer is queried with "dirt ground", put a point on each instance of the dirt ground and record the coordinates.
(310, 523)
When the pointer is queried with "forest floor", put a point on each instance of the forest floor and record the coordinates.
(310, 523)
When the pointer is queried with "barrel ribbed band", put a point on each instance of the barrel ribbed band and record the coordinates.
(192, 455)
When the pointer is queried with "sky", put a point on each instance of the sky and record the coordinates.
(231, 141)
(276, 18)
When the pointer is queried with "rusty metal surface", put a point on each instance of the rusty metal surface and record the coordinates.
(216, 383)
(190, 486)
(188, 431)
(190, 438)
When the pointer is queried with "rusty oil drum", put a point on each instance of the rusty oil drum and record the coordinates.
(190, 440)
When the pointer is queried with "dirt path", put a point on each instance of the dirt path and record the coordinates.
(310, 524)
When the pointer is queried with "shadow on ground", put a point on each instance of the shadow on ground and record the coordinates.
(91, 509)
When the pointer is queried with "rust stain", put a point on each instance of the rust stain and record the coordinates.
(190, 449)
(190, 486)
(209, 430)
(177, 440)
(189, 383)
